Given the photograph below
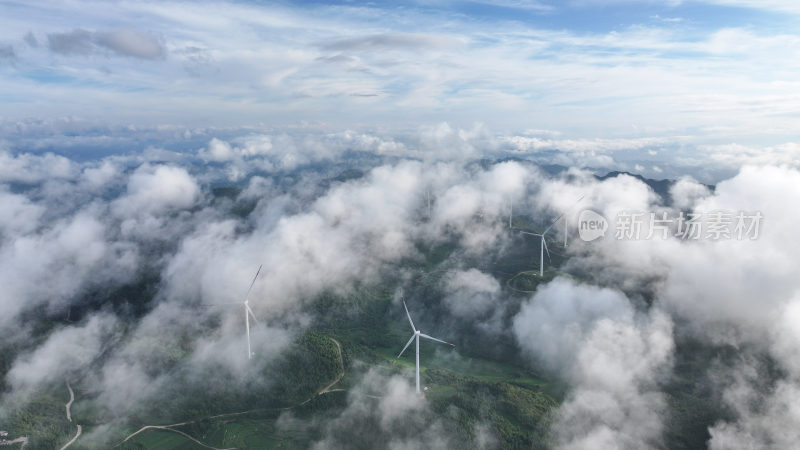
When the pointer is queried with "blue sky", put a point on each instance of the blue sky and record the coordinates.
(720, 72)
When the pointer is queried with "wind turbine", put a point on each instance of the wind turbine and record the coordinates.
(249, 313)
(566, 224)
(542, 249)
(416, 337)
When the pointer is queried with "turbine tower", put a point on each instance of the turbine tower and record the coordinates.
(542, 249)
(562, 215)
(416, 337)
(249, 313)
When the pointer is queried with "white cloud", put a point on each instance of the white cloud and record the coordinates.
(314, 237)
(734, 292)
(218, 151)
(29, 168)
(785, 6)
(401, 419)
(155, 189)
(686, 192)
(104, 173)
(612, 357)
(53, 265)
(471, 294)
(347, 65)
(18, 215)
(736, 155)
(66, 353)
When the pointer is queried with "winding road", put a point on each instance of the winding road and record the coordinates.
(22, 439)
(167, 428)
(69, 403)
(69, 417)
(327, 388)
(322, 391)
(72, 441)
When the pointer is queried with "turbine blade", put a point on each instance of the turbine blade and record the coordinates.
(252, 314)
(563, 214)
(434, 339)
(409, 316)
(252, 283)
(404, 348)
(544, 242)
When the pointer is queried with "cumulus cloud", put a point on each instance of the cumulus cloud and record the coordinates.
(385, 412)
(29, 168)
(686, 192)
(737, 155)
(155, 189)
(613, 357)
(324, 230)
(256, 153)
(730, 291)
(553, 326)
(744, 293)
(68, 353)
(218, 151)
(766, 415)
(155, 218)
(18, 215)
(471, 293)
(699, 282)
(347, 234)
(101, 175)
(53, 265)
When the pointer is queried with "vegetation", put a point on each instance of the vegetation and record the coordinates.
(42, 420)
(484, 387)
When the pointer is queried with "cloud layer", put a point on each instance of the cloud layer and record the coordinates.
(73, 232)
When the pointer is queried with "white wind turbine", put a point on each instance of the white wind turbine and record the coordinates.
(249, 313)
(416, 337)
(543, 246)
(566, 223)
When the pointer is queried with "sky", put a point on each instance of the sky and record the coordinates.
(710, 72)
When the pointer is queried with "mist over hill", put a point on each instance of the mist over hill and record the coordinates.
(124, 276)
